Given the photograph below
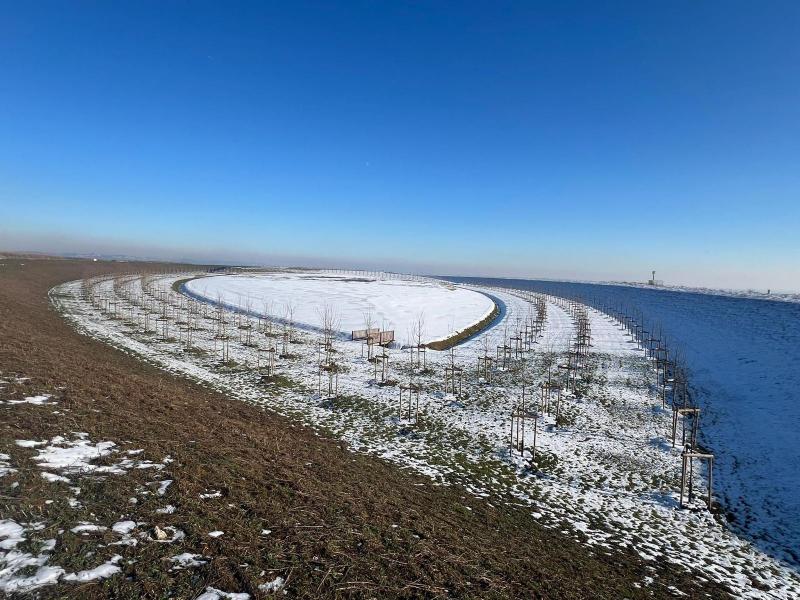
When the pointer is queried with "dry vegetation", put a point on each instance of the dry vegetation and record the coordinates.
(341, 524)
(461, 336)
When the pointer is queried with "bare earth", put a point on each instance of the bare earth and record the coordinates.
(341, 524)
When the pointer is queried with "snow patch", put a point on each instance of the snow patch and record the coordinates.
(5, 466)
(76, 456)
(212, 593)
(86, 527)
(54, 478)
(107, 569)
(123, 527)
(272, 586)
(188, 559)
(38, 400)
(29, 443)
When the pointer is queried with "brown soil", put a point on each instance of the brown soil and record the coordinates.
(342, 524)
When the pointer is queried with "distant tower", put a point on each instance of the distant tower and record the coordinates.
(654, 276)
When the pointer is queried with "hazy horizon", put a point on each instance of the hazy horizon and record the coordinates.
(55, 245)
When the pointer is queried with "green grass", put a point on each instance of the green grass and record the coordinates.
(467, 333)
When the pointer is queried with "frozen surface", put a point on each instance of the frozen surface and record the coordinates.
(40, 400)
(776, 296)
(743, 355)
(107, 569)
(11, 533)
(123, 527)
(5, 466)
(605, 473)
(394, 304)
(75, 456)
(272, 586)
(53, 478)
(188, 559)
(213, 593)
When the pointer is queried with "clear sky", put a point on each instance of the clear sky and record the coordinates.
(594, 140)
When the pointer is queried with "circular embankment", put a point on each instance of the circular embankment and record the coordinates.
(448, 314)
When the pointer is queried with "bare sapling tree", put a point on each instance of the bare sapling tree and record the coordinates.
(410, 340)
(369, 324)
(268, 318)
(220, 309)
(267, 329)
(290, 310)
(419, 335)
(288, 326)
(238, 313)
(329, 322)
(549, 359)
(504, 351)
(248, 325)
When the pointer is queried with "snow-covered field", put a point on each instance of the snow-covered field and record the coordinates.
(393, 304)
(605, 472)
(750, 294)
(742, 356)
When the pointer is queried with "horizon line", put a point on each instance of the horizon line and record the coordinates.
(755, 293)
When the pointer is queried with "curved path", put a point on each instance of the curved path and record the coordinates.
(608, 469)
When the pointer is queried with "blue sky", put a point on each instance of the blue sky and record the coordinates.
(576, 140)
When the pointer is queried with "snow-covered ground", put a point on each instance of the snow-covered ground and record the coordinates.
(394, 304)
(742, 356)
(772, 295)
(605, 472)
(26, 554)
(751, 294)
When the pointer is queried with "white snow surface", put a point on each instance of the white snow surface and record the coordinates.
(213, 593)
(76, 456)
(53, 478)
(394, 304)
(123, 527)
(614, 482)
(88, 528)
(40, 400)
(29, 443)
(107, 569)
(187, 559)
(5, 466)
(14, 562)
(11, 534)
(272, 586)
(741, 354)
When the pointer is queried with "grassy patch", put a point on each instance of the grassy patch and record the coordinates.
(467, 333)
(341, 524)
